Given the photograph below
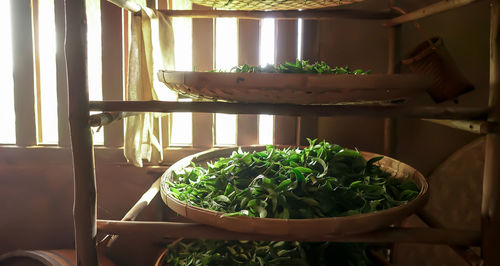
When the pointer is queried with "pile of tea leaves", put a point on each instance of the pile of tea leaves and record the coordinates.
(300, 66)
(261, 253)
(321, 180)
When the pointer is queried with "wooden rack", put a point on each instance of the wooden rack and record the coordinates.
(480, 120)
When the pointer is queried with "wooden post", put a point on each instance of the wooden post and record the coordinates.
(391, 124)
(84, 209)
(490, 209)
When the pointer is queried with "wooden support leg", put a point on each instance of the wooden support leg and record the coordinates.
(490, 209)
(84, 209)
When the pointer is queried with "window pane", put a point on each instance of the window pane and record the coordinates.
(182, 128)
(266, 50)
(266, 126)
(226, 57)
(94, 66)
(8, 132)
(225, 128)
(266, 56)
(48, 79)
(299, 39)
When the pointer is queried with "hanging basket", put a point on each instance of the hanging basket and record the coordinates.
(436, 62)
(300, 228)
(272, 4)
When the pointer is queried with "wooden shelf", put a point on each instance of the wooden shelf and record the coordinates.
(161, 230)
(394, 110)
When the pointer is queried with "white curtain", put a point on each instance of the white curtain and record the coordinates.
(151, 49)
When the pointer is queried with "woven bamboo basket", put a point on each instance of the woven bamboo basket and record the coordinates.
(301, 228)
(272, 4)
(293, 88)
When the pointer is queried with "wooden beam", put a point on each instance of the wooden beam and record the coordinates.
(85, 204)
(436, 112)
(490, 208)
(112, 67)
(158, 230)
(23, 74)
(476, 127)
(284, 15)
(441, 6)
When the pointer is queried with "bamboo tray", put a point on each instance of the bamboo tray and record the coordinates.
(272, 4)
(301, 228)
(292, 88)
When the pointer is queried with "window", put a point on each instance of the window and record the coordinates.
(8, 132)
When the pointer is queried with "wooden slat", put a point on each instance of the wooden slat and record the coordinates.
(158, 230)
(285, 127)
(307, 125)
(62, 85)
(112, 68)
(394, 56)
(490, 208)
(203, 60)
(85, 204)
(284, 15)
(429, 10)
(248, 53)
(436, 112)
(22, 50)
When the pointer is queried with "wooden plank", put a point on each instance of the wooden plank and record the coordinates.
(436, 112)
(490, 208)
(158, 230)
(85, 204)
(203, 60)
(429, 10)
(23, 75)
(62, 81)
(285, 127)
(248, 53)
(112, 67)
(284, 15)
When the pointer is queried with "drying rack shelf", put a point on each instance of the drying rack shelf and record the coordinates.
(476, 119)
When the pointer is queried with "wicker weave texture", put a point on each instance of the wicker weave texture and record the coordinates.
(272, 4)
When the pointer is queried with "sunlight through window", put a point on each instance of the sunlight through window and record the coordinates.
(48, 79)
(299, 38)
(94, 54)
(266, 56)
(8, 132)
(181, 132)
(226, 57)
